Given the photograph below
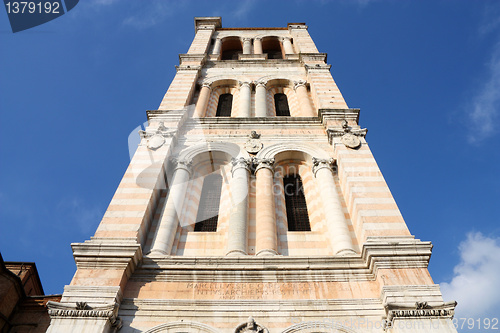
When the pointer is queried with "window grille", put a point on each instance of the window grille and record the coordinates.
(281, 105)
(208, 208)
(224, 106)
(296, 208)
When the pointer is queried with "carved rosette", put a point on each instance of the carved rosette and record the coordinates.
(251, 326)
(319, 163)
(83, 310)
(421, 310)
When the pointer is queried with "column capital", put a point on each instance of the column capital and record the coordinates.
(319, 163)
(245, 39)
(184, 164)
(266, 163)
(286, 38)
(206, 85)
(299, 83)
(257, 38)
(245, 83)
(261, 83)
(239, 163)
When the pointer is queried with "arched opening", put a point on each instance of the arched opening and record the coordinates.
(208, 208)
(224, 105)
(295, 201)
(281, 105)
(231, 48)
(272, 47)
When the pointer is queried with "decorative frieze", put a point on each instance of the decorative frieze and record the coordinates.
(83, 310)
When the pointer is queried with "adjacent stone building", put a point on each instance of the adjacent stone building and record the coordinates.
(252, 204)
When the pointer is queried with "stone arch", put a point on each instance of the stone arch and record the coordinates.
(194, 152)
(281, 151)
(182, 326)
(231, 47)
(318, 327)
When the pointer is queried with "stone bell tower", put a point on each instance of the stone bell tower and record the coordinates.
(252, 204)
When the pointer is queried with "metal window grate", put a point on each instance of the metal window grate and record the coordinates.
(281, 105)
(224, 105)
(296, 208)
(208, 209)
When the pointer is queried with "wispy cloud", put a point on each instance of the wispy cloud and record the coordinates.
(475, 285)
(75, 212)
(484, 109)
(486, 103)
(154, 12)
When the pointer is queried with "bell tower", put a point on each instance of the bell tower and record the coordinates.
(252, 204)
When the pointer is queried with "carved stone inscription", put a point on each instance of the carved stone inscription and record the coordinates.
(252, 290)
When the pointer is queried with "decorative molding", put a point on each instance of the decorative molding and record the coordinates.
(110, 254)
(318, 67)
(250, 327)
(419, 311)
(182, 326)
(312, 57)
(83, 310)
(318, 326)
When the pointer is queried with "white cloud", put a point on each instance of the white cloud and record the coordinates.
(75, 212)
(154, 12)
(486, 104)
(476, 284)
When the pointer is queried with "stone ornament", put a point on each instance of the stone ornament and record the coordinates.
(420, 310)
(83, 310)
(241, 162)
(348, 136)
(155, 138)
(253, 144)
(299, 83)
(250, 327)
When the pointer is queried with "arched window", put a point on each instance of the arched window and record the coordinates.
(224, 106)
(296, 208)
(231, 48)
(208, 208)
(281, 105)
(272, 47)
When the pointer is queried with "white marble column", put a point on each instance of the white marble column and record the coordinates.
(217, 46)
(247, 45)
(238, 228)
(287, 45)
(303, 96)
(202, 103)
(260, 99)
(266, 242)
(340, 237)
(245, 99)
(169, 220)
(257, 45)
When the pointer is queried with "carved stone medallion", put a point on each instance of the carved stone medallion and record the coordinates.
(253, 145)
(156, 141)
(350, 140)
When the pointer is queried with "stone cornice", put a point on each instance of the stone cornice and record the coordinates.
(104, 254)
(199, 58)
(312, 57)
(339, 114)
(377, 253)
(83, 310)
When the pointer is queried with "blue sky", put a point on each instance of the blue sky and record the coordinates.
(425, 74)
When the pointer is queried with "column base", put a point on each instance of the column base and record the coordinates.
(236, 253)
(346, 252)
(157, 253)
(266, 253)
